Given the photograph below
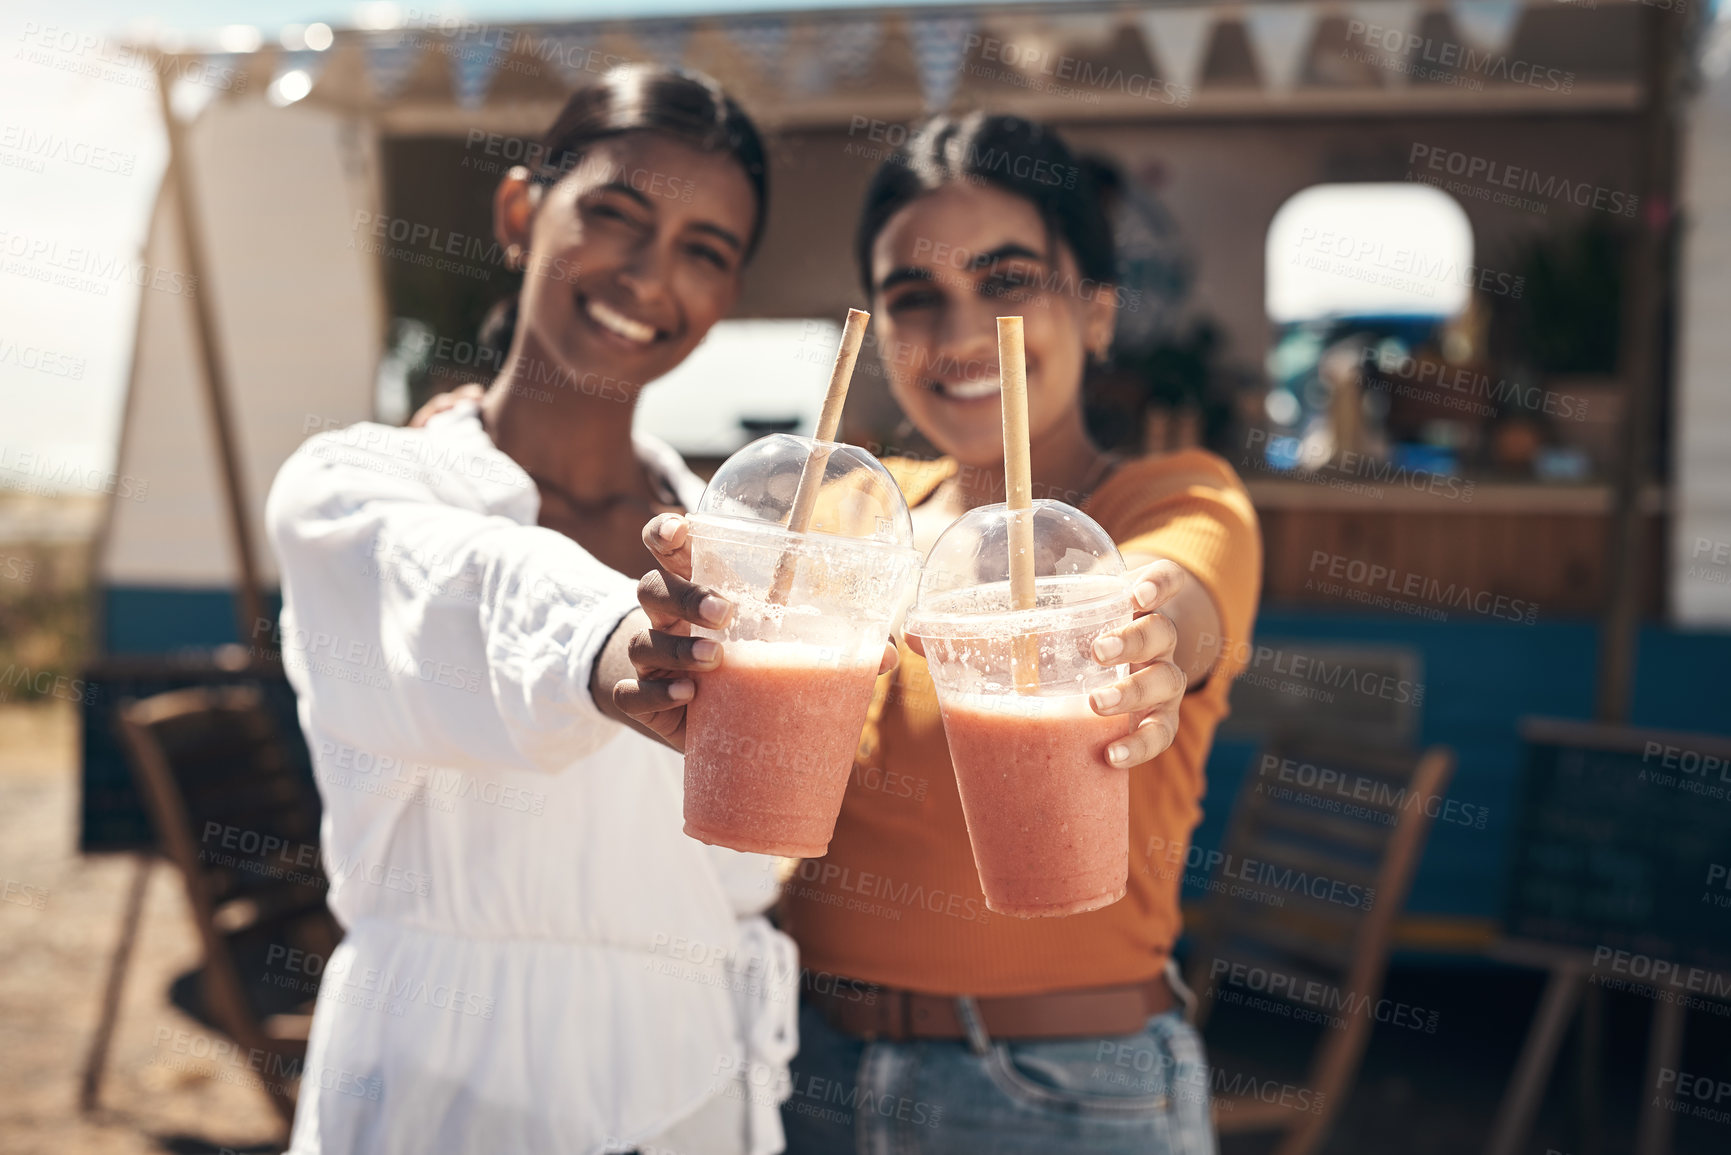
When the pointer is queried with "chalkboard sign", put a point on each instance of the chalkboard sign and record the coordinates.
(1622, 843)
(1370, 695)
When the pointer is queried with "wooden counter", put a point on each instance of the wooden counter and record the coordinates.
(1342, 542)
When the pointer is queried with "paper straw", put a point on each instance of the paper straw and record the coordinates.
(1019, 491)
(828, 422)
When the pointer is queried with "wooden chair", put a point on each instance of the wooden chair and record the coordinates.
(235, 818)
(1269, 914)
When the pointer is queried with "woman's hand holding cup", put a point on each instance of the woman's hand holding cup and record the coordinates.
(666, 656)
(1155, 688)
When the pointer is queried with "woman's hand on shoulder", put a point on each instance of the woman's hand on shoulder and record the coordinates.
(441, 402)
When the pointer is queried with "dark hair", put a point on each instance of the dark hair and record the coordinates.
(1021, 157)
(685, 105)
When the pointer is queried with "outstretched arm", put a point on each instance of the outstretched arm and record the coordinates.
(420, 620)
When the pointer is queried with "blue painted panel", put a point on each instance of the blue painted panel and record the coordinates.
(1480, 679)
(1685, 681)
(162, 620)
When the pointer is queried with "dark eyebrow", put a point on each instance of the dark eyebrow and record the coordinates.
(619, 186)
(903, 275)
(714, 230)
(1004, 252)
(717, 231)
(980, 261)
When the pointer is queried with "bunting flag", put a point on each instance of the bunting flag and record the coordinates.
(829, 49)
(843, 49)
(473, 66)
(1177, 39)
(1033, 42)
(567, 51)
(664, 41)
(763, 43)
(1487, 23)
(1388, 15)
(1280, 36)
(391, 58)
(1021, 40)
(940, 45)
(1387, 24)
(850, 45)
(1092, 29)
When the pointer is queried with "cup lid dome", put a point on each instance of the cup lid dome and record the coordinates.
(857, 498)
(967, 572)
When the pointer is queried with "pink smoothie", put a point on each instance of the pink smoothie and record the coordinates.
(1049, 819)
(769, 742)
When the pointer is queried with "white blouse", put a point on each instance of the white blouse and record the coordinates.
(536, 958)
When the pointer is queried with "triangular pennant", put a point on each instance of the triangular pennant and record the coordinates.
(806, 75)
(1387, 15)
(1020, 40)
(1487, 23)
(842, 48)
(1177, 39)
(1385, 26)
(1090, 29)
(1280, 35)
(475, 66)
(763, 43)
(850, 45)
(664, 42)
(940, 44)
(565, 52)
(391, 57)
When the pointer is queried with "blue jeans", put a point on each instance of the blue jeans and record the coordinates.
(1144, 1093)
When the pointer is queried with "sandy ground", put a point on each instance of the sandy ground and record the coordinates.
(58, 924)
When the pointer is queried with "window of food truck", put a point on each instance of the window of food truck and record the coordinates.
(1397, 338)
(747, 378)
(1362, 281)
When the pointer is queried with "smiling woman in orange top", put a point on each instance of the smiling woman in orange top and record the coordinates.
(941, 1026)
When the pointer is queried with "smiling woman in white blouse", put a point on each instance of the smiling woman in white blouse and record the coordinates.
(536, 958)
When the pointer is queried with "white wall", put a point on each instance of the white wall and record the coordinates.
(298, 318)
(1701, 420)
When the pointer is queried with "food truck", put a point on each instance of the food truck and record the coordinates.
(1490, 459)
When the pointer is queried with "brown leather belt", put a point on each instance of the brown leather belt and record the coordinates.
(873, 1012)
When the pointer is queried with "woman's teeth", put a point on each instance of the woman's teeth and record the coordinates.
(616, 322)
(967, 390)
